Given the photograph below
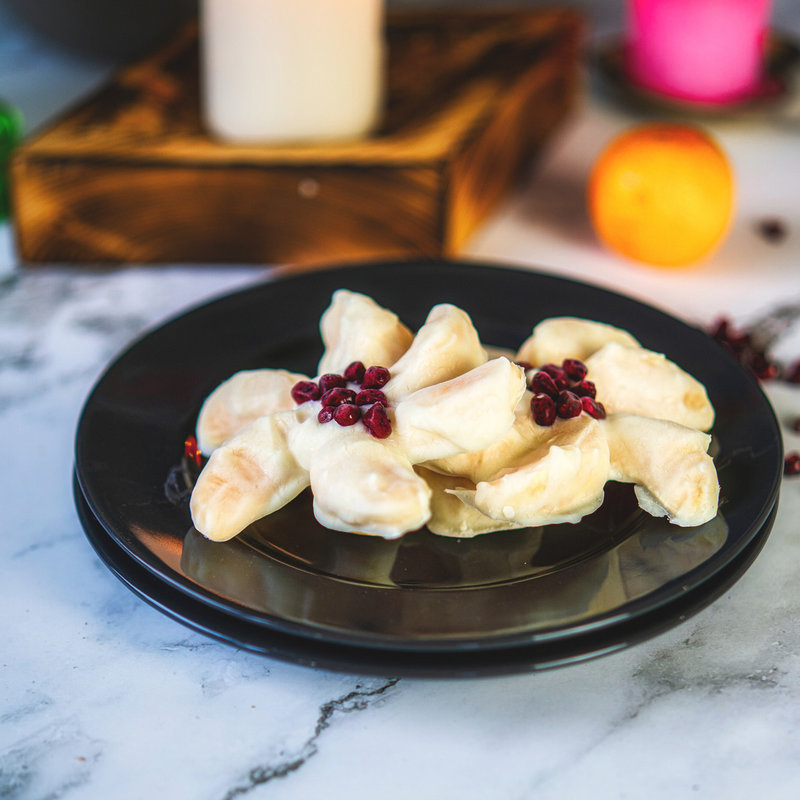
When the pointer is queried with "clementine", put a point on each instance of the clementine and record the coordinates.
(662, 193)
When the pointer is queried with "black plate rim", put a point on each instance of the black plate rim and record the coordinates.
(318, 653)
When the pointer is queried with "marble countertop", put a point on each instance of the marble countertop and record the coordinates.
(103, 696)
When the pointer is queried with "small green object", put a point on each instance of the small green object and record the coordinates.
(11, 131)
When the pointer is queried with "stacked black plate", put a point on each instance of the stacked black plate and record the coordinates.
(422, 605)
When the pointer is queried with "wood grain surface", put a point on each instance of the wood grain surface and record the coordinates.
(130, 175)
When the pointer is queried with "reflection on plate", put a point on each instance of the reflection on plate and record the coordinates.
(496, 603)
(782, 57)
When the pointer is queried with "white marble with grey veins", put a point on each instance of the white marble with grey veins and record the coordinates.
(101, 696)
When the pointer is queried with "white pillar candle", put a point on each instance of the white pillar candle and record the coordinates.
(291, 70)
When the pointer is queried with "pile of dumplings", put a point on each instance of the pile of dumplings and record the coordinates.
(465, 455)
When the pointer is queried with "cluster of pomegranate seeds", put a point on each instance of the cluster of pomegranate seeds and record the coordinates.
(739, 343)
(345, 405)
(562, 391)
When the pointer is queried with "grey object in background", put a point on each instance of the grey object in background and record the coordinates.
(103, 29)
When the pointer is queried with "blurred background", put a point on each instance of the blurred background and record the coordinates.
(53, 52)
(85, 39)
(107, 30)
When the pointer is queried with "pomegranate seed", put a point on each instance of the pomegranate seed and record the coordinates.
(791, 464)
(337, 396)
(377, 422)
(593, 408)
(739, 340)
(765, 370)
(542, 383)
(568, 404)
(772, 229)
(721, 328)
(375, 378)
(585, 389)
(575, 369)
(368, 396)
(543, 408)
(325, 414)
(303, 391)
(558, 375)
(331, 381)
(793, 373)
(526, 365)
(760, 365)
(355, 372)
(347, 414)
(191, 450)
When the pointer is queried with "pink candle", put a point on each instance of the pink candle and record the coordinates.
(708, 51)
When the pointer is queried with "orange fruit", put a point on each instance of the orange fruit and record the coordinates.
(662, 193)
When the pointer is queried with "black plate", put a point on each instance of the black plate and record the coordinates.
(581, 645)
(618, 576)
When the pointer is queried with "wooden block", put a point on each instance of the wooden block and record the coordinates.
(131, 176)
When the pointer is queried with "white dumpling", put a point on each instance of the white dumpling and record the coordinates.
(446, 346)
(669, 464)
(240, 400)
(642, 382)
(522, 437)
(450, 516)
(363, 485)
(557, 338)
(560, 480)
(460, 415)
(250, 476)
(355, 328)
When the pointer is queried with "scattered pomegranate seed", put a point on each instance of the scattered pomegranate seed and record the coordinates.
(593, 408)
(791, 464)
(347, 414)
(526, 365)
(568, 404)
(793, 373)
(337, 396)
(191, 450)
(557, 374)
(355, 372)
(762, 367)
(542, 383)
(739, 344)
(377, 422)
(368, 396)
(375, 378)
(720, 327)
(585, 389)
(543, 408)
(772, 229)
(303, 391)
(575, 369)
(325, 414)
(331, 381)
